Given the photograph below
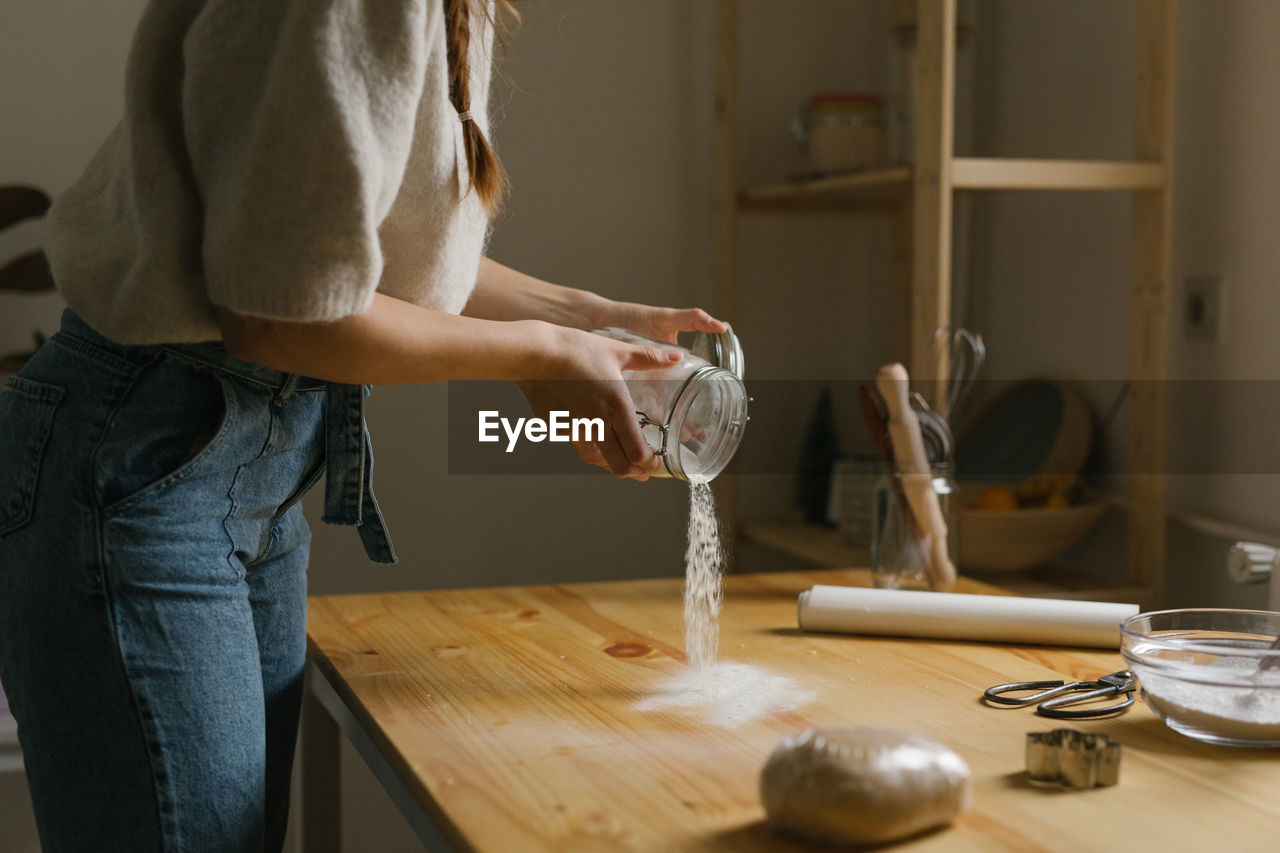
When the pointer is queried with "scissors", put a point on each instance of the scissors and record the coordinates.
(1052, 696)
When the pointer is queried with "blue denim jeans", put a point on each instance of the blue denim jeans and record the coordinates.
(153, 585)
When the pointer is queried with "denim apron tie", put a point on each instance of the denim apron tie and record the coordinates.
(348, 486)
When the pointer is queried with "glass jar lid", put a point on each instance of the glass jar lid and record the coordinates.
(722, 349)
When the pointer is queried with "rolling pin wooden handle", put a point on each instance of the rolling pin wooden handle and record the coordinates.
(904, 427)
(877, 424)
(928, 511)
(904, 431)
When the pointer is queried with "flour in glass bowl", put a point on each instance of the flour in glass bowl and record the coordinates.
(1243, 706)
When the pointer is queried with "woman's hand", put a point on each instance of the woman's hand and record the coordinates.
(582, 373)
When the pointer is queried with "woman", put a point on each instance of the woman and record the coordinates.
(293, 207)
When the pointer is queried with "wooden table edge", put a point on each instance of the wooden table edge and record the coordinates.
(331, 699)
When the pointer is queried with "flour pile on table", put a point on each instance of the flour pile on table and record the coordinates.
(703, 579)
(723, 694)
(727, 695)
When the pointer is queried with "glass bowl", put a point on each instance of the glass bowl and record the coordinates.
(1209, 674)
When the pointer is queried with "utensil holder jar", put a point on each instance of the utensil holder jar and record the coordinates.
(898, 551)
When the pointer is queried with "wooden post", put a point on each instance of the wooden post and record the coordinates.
(725, 204)
(934, 123)
(726, 161)
(1149, 296)
(901, 225)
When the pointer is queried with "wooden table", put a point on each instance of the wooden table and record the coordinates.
(505, 720)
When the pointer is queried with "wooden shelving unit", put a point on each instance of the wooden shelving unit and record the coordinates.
(822, 547)
(919, 201)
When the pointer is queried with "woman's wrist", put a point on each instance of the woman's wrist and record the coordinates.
(590, 310)
(539, 353)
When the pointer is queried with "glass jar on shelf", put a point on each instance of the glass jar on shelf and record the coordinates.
(842, 132)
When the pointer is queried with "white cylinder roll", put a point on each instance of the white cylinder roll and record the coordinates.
(955, 616)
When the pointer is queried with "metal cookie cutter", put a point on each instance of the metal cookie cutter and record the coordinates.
(1072, 759)
(1053, 695)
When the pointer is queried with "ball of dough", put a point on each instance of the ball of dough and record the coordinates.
(863, 785)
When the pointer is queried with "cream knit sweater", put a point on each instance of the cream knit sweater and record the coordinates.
(281, 158)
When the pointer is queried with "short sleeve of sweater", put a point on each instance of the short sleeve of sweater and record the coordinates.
(299, 119)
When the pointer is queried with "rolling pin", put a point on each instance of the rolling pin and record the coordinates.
(952, 616)
(917, 480)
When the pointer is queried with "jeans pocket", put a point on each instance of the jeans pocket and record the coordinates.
(26, 419)
(168, 424)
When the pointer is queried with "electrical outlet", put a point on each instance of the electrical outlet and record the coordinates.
(1202, 308)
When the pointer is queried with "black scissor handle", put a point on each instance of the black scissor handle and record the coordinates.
(1053, 696)
(1053, 708)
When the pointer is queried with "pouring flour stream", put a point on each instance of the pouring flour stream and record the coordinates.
(693, 414)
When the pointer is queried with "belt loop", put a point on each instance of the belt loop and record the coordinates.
(286, 390)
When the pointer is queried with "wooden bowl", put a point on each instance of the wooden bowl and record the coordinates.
(1009, 540)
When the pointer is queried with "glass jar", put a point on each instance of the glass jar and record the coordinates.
(898, 551)
(694, 412)
(843, 131)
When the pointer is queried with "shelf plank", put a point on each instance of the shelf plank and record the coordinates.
(876, 188)
(984, 173)
(822, 547)
(883, 189)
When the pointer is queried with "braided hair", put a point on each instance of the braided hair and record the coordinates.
(488, 178)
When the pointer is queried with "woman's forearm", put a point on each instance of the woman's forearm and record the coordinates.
(502, 293)
(393, 343)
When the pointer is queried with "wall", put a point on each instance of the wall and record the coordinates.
(1056, 81)
(63, 67)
